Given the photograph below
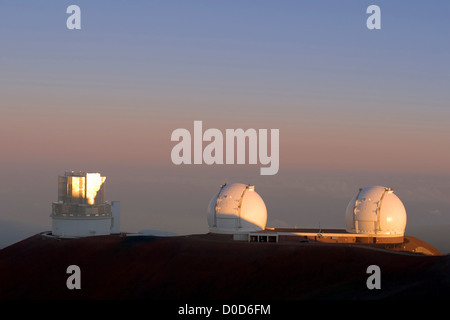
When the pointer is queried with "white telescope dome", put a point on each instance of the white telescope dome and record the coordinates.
(376, 210)
(236, 208)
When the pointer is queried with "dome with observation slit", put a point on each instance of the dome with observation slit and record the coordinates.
(376, 210)
(236, 208)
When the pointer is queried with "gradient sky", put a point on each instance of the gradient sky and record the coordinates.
(354, 107)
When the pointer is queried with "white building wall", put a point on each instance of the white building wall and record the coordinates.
(81, 227)
(115, 212)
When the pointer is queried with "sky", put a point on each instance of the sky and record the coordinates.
(354, 107)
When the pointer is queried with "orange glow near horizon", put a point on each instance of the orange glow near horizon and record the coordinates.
(141, 136)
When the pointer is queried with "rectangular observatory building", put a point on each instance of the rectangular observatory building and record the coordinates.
(81, 209)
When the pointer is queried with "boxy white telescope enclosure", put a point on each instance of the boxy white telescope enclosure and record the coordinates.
(81, 209)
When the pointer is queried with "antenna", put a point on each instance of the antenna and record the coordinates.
(319, 234)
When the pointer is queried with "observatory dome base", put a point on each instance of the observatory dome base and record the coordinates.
(81, 227)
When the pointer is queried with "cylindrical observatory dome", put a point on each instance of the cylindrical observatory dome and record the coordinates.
(236, 208)
(376, 210)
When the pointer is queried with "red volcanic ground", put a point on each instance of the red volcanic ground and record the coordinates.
(210, 267)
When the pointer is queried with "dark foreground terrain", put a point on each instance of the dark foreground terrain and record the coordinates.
(209, 267)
